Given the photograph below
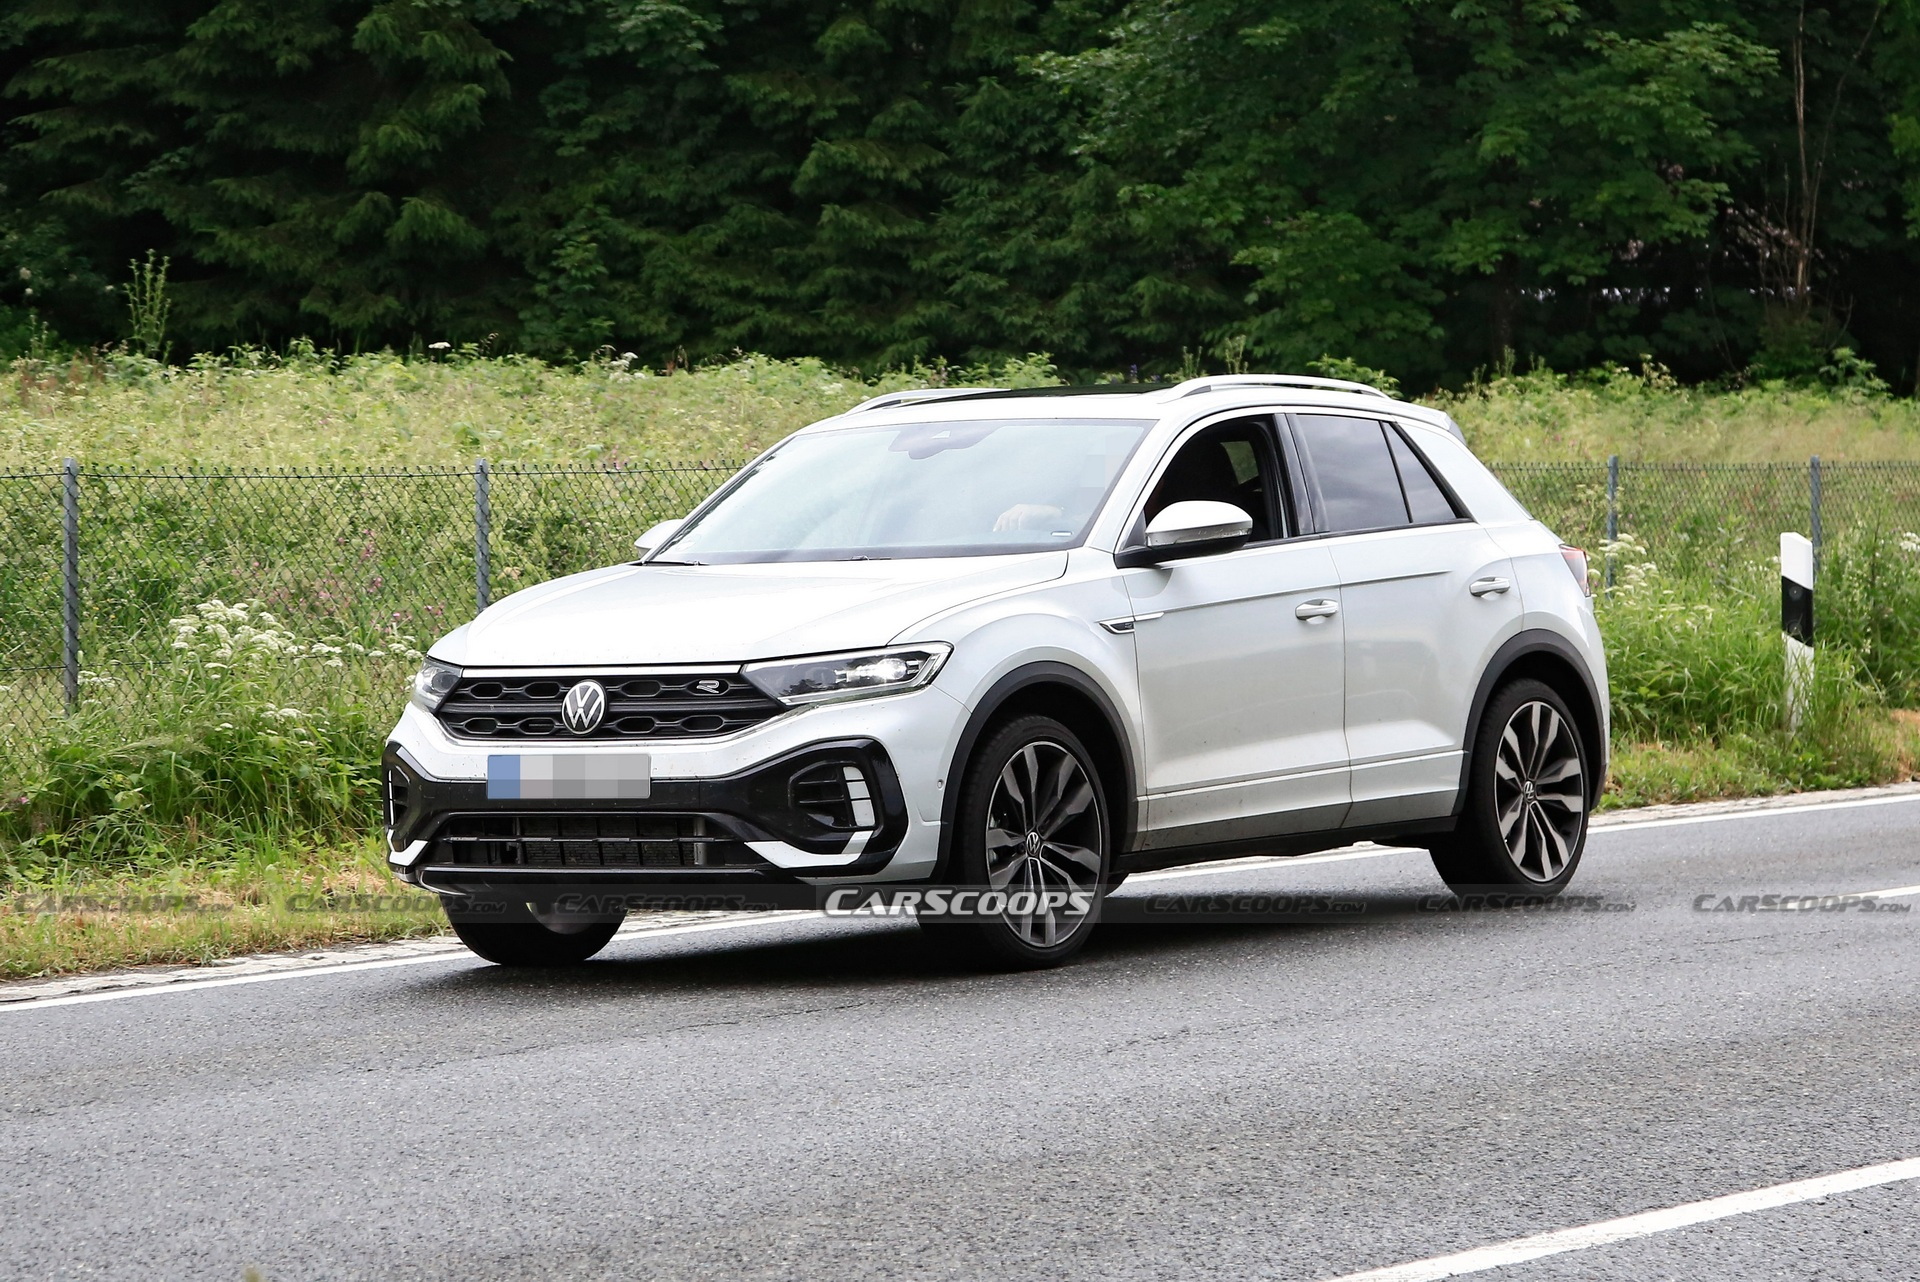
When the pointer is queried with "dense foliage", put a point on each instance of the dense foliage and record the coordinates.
(1419, 186)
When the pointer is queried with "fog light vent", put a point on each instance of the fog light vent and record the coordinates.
(399, 796)
(835, 796)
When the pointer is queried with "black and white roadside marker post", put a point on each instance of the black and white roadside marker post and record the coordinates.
(1796, 622)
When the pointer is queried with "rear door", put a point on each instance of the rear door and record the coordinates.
(1427, 597)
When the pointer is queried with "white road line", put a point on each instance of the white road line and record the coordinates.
(1898, 892)
(1625, 822)
(385, 963)
(1644, 1224)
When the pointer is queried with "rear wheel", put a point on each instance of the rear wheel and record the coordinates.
(1033, 824)
(533, 934)
(1524, 822)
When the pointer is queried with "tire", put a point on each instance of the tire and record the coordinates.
(534, 935)
(1064, 846)
(1523, 824)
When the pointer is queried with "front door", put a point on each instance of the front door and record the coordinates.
(1240, 659)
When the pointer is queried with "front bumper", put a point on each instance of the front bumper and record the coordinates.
(722, 811)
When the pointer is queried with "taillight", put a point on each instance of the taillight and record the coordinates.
(1577, 566)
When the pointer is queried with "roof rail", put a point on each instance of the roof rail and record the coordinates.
(891, 400)
(1197, 386)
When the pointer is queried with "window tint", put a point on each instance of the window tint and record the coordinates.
(1231, 463)
(1359, 486)
(1426, 501)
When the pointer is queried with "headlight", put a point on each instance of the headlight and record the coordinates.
(433, 683)
(849, 676)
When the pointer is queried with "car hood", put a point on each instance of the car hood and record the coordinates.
(674, 614)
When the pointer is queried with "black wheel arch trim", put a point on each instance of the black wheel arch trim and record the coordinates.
(988, 711)
(1515, 648)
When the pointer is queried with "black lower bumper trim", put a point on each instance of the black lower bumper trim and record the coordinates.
(481, 892)
(777, 800)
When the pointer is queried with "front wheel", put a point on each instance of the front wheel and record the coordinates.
(1524, 821)
(533, 935)
(1033, 824)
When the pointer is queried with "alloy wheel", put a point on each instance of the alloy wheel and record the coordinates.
(1044, 834)
(1539, 791)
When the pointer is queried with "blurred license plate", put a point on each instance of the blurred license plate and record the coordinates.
(583, 776)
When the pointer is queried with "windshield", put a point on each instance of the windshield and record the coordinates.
(928, 489)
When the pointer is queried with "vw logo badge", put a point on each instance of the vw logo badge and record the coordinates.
(583, 707)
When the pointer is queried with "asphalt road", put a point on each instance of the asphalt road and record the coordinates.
(825, 1100)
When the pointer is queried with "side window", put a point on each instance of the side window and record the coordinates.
(1427, 503)
(1228, 463)
(1359, 485)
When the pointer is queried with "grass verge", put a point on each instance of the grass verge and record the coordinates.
(1885, 749)
(80, 918)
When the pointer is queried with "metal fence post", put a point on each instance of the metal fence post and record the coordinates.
(1613, 512)
(482, 524)
(1813, 487)
(70, 583)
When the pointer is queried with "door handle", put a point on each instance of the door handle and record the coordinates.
(1323, 608)
(1492, 586)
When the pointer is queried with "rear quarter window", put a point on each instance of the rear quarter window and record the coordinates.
(1427, 502)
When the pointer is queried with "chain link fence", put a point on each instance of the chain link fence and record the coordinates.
(1714, 521)
(360, 558)
(95, 562)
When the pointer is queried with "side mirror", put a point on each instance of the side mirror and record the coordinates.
(1193, 528)
(658, 534)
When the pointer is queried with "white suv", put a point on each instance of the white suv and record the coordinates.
(1026, 642)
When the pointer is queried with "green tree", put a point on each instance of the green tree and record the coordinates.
(1409, 184)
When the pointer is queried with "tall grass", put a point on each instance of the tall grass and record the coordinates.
(249, 408)
(250, 739)
(1644, 415)
(1869, 602)
(1697, 667)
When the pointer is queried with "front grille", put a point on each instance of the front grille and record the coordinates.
(549, 840)
(693, 705)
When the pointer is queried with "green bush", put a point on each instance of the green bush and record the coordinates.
(1869, 601)
(1699, 664)
(250, 735)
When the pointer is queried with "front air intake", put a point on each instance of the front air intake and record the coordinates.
(835, 795)
(399, 790)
